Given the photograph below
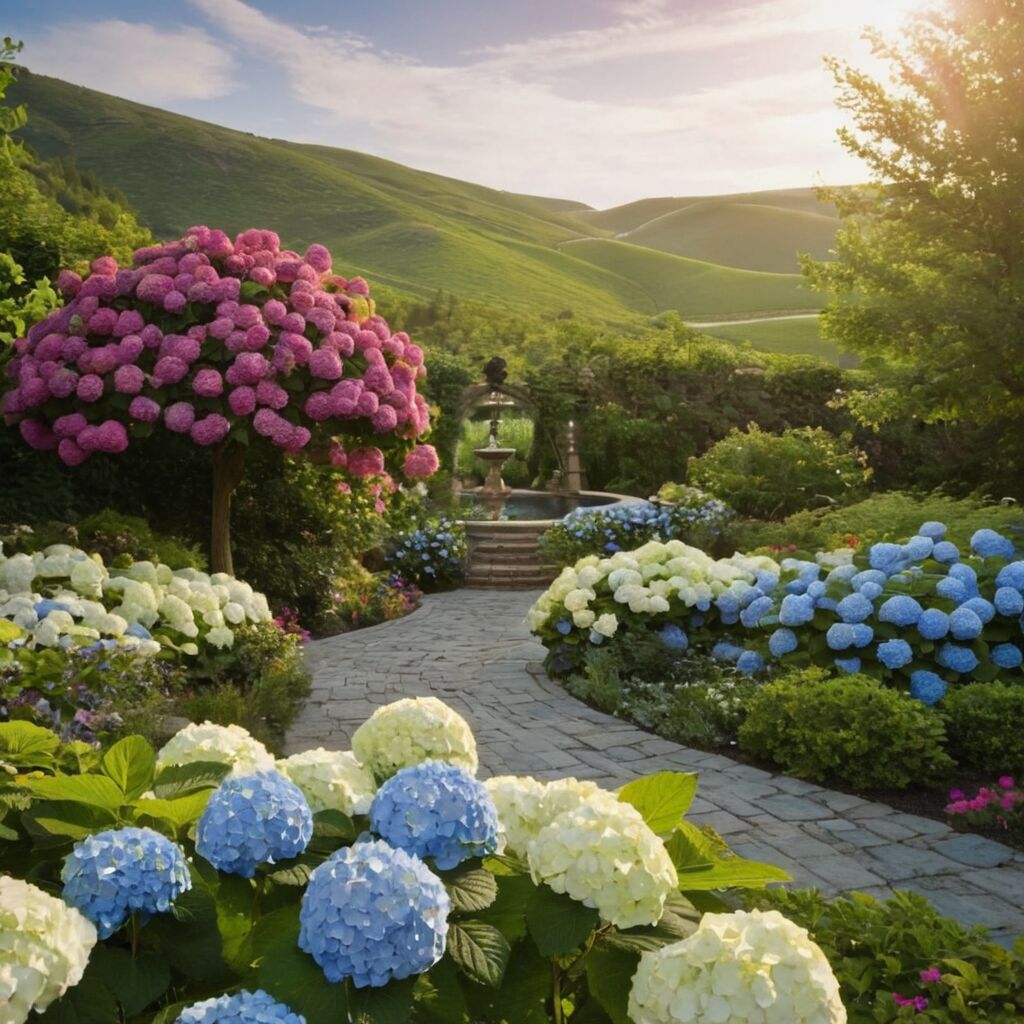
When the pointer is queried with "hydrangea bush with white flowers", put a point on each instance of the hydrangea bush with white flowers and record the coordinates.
(920, 615)
(224, 888)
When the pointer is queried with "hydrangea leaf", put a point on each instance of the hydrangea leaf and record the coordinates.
(480, 950)
(26, 745)
(66, 818)
(89, 1002)
(524, 990)
(178, 813)
(508, 911)
(702, 865)
(609, 976)
(471, 889)
(391, 1004)
(558, 924)
(176, 780)
(136, 983)
(291, 976)
(679, 920)
(188, 936)
(130, 763)
(439, 996)
(662, 798)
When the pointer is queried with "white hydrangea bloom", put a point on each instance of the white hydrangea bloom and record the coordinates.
(219, 637)
(17, 573)
(584, 618)
(410, 731)
(577, 600)
(44, 947)
(88, 576)
(833, 559)
(606, 624)
(331, 779)
(740, 968)
(604, 854)
(224, 744)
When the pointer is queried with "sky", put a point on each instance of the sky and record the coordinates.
(601, 101)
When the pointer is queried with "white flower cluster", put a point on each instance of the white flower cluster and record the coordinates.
(223, 744)
(645, 581)
(582, 840)
(44, 947)
(331, 780)
(740, 968)
(412, 730)
(63, 597)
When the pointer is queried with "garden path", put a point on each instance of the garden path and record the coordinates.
(472, 649)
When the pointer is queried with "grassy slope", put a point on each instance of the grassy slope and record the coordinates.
(695, 288)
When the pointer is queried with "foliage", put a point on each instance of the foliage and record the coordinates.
(366, 599)
(773, 475)
(927, 276)
(21, 304)
(432, 555)
(849, 731)
(878, 948)
(514, 947)
(515, 432)
(996, 807)
(447, 377)
(983, 723)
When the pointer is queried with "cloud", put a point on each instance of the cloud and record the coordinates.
(141, 62)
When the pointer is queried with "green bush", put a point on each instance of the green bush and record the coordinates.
(773, 475)
(850, 730)
(876, 949)
(113, 535)
(983, 721)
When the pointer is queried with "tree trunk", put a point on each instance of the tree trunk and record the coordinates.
(228, 466)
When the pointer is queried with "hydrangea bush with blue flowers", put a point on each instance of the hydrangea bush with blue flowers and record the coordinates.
(219, 897)
(432, 555)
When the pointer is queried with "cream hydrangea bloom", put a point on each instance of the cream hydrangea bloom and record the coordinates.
(224, 744)
(331, 780)
(44, 947)
(740, 968)
(603, 854)
(410, 731)
(606, 624)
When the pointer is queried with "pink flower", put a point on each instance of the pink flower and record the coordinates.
(274, 312)
(242, 400)
(318, 258)
(103, 321)
(169, 370)
(128, 380)
(175, 301)
(90, 388)
(1006, 781)
(323, 320)
(367, 404)
(70, 454)
(366, 339)
(38, 435)
(207, 383)
(210, 429)
(320, 406)
(128, 322)
(62, 383)
(98, 286)
(145, 410)
(384, 420)
(269, 393)
(337, 455)
(931, 975)
(70, 426)
(179, 417)
(325, 364)
(377, 379)
(343, 344)
(247, 316)
(266, 422)
(68, 283)
(105, 265)
(129, 348)
(300, 437)
(221, 327)
(300, 348)
(364, 462)
(111, 437)
(422, 461)
(357, 286)
(294, 323)
(154, 288)
(151, 336)
(256, 337)
(248, 368)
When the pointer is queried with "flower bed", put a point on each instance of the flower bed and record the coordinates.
(315, 889)
(430, 555)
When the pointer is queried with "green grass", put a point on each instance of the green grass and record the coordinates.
(790, 337)
(695, 288)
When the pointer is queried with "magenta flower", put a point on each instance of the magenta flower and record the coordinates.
(145, 410)
(269, 393)
(103, 321)
(70, 426)
(919, 1003)
(931, 976)
(90, 388)
(169, 370)
(422, 461)
(248, 368)
(68, 283)
(38, 435)
(128, 380)
(154, 288)
(319, 258)
(1006, 781)
(242, 400)
(384, 420)
(175, 301)
(207, 383)
(70, 454)
(179, 417)
(247, 316)
(210, 429)
(105, 265)
(319, 406)
(111, 437)
(364, 462)
(325, 364)
(128, 322)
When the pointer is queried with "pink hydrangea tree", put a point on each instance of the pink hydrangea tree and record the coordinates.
(233, 344)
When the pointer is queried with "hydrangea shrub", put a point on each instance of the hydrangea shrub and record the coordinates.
(232, 343)
(433, 554)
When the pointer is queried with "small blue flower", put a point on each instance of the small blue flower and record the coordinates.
(725, 651)
(952, 590)
(887, 558)
(933, 624)
(863, 634)
(241, 1008)
(253, 820)
(918, 548)
(728, 603)
(872, 591)
(437, 810)
(895, 654)
(373, 913)
(855, 608)
(750, 662)
(674, 638)
(45, 606)
(766, 581)
(848, 665)
(964, 624)
(596, 638)
(782, 642)
(753, 613)
(139, 631)
(842, 573)
(945, 551)
(1008, 601)
(112, 874)
(900, 610)
(796, 610)
(927, 687)
(1011, 575)
(985, 610)
(932, 529)
(1006, 656)
(990, 544)
(868, 576)
(839, 636)
(958, 659)
(563, 626)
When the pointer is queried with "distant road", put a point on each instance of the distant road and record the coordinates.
(755, 320)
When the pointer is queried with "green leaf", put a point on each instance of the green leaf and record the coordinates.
(662, 799)
(332, 827)
(703, 864)
(471, 889)
(188, 936)
(679, 920)
(292, 874)
(67, 819)
(293, 978)
(438, 994)
(95, 790)
(176, 780)
(480, 950)
(508, 912)
(179, 813)
(523, 993)
(136, 983)
(610, 978)
(391, 1004)
(558, 924)
(131, 764)
(26, 745)
(88, 1002)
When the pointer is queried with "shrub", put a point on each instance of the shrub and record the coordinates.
(846, 731)
(877, 949)
(363, 598)
(773, 475)
(984, 726)
(432, 556)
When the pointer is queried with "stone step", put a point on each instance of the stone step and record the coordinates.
(496, 552)
(505, 583)
(536, 575)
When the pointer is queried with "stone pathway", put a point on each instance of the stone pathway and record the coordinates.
(473, 651)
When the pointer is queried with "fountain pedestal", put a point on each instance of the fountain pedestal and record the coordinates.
(494, 491)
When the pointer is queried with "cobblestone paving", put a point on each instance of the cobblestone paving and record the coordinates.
(472, 649)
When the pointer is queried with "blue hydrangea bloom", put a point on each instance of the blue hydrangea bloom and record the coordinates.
(933, 624)
(1011, 575)
(895, 653)
(840, 636)
(848, 665)
(1008, 601)
(728, 603)
(872, 591)
(796, 610)
(782, 641)
(945, 551)
(816, 590)
(437, 810)
(252, 820)
(596, 638)
(766, 581)
(952, 589)
(111, 875)
(964, 624)
(1006, 656)
(887, 558)
(674, 638)
(564, 626)
(900, 610)
(985, 610)
(138, 630)
(965, 574)
(842, 573)
(46, 605)
(927, 687)
(918, 548)
(750, 662)
(696, 621)
(753, 613)
(828, 604)
(959, 659)
(990, 544)
(934, 530)
(868, 576)
(748, 597)
(855, 607)
(863, 634)
(373, 913)
(241, 1008)
(725, 651)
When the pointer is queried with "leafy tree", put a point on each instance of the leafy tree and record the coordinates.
(929, 276)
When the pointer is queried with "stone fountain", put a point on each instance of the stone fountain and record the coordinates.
(494, 491)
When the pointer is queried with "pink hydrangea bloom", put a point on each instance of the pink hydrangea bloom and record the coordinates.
(326, 364)
(300, 348)
(256, 337)
(1006, 781)
(262, 275)
(128, 380)
(272, 394)
(70, 454)
(98, 286)
(343, 344)
(90, 388)
(145, 410)
(242, 400)
(38, 435)
(128, 322)
(169, 370)
(221, 327)
(103, 321)
(154, 288)
(294, 323)
(210, 430)
(69, 426)
(207, 383)
(151, 336)
(248, 368)
(106, 265)
(274, 312)
(364, 462)
(422, 461)
(337, 455)
(68, 283)
(129, 349)
(247, 316)
(179, 417)
(63, 383)
(175, 301)
(367, 403)
(320, 406)
(111, 437)
(384, 420)
(319, 258)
